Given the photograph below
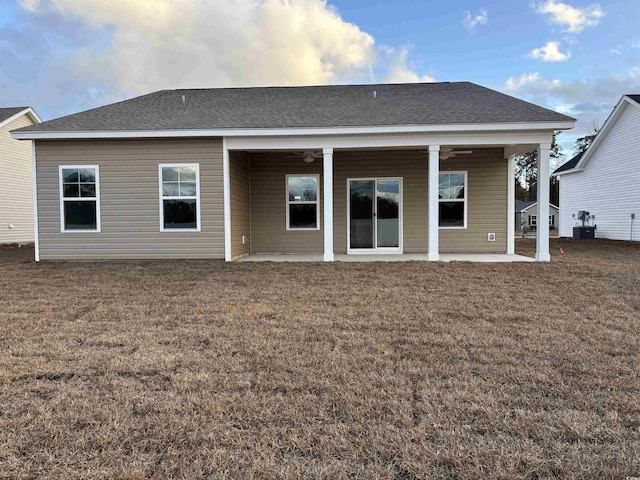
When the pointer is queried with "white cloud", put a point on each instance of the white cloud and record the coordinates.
(156, 44)
(574, 19)
(399, 71)
(636, 44)
(615, 51)
(470, 22)
(550, 53)
(590, 101)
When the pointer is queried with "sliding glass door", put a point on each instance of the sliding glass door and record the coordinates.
(375, 215)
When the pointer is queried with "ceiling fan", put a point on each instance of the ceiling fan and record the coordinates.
(308, 155)
(447, 152)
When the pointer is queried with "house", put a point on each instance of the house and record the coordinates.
(16, 177)
(604, 180)
(324, 171)
(527, 215)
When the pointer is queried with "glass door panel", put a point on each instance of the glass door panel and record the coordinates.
(361, 225)
(388, 213)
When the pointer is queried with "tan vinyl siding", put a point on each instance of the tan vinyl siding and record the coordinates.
(16, 185)
(486, 203)
(129, 196)
(240, 203)
(268, 205)
(411, 165)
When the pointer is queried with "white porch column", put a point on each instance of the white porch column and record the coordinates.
(226, 180)
(542, 227)
(511, 208)
(327, 179)
(434, 216)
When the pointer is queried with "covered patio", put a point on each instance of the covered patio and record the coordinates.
(439, 197)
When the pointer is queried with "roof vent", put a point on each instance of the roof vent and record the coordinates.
(184, 99)
(375, 94)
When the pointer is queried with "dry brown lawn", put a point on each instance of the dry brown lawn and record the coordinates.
(200, 369)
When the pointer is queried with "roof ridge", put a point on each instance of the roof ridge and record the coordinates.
(330, 85)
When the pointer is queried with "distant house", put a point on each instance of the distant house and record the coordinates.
(527, 215)
(16, 177)
(323, 172)
(604, 180)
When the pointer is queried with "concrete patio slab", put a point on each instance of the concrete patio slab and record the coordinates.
(406, 257)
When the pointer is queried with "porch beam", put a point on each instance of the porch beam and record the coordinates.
(542, 227)
(511, 208)
(433, 220)
(327, 180)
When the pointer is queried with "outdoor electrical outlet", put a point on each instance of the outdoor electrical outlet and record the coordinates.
(491, 237)
(244, 239)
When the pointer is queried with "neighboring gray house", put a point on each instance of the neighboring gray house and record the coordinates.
(604, 180)
(527, 215)
(16, 177)
(325, 171)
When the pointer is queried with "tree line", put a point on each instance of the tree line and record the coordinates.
(526, 168)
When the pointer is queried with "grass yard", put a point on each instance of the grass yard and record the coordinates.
(200, 369)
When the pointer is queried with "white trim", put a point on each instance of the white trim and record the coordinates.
(511, 207)
(375, 249)
(455, 200)
(433, 205)
(241, 132)
(95, 199)
(34, 179)
(608, 124)
(226, 181)
(535, 203)
(542, 229)
(391, 140)
(35, 118)
(327, 184)
(195, 197)
(315, 202)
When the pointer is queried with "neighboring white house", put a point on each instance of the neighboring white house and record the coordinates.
(16, 177)
(527, 215)
(605, 181)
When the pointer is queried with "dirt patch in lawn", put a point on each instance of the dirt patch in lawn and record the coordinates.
(378, 370)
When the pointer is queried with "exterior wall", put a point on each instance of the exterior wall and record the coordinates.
(129, 197)
(533, 210)
(269, 203)
(239, 177)
(487, 201)
(608, 186)
(411, 165)
(16, 185)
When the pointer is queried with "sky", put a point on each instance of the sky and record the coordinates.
(573, 56)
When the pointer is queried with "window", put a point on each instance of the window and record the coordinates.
(79, 198)
(533, 220)
(303, 212)
(179, 197)
(551, 220)
(452, 198)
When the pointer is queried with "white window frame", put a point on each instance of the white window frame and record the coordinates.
(161, 197)
(533, 220)
(302, 202)
(448, 200)
(96, 199)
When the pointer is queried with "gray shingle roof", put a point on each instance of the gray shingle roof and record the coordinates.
(570, 164)
(9, 112)
(521, 205)
(299, 107)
